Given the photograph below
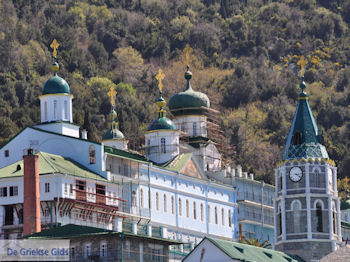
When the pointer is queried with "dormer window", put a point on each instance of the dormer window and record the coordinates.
(297, 138)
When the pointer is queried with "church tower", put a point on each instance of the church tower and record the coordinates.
(307, 211)
(161, 137)
(56, 103)
(114, 137)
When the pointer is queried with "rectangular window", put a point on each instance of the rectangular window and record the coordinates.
(70, 188)
(65, 110)
(45, 110)
(3, 191)
(7, 153)
(87, 252)
(47, 187)
(72, 252)
(156, 255)
(65, 188)
(103, 250)
(55, 109)
(13, 191)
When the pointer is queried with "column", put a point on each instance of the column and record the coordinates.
(330, 217)
(134, 227)
(149, 230)
(118, 224)
(283, 210)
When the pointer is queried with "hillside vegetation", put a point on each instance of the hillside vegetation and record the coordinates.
(246, 56)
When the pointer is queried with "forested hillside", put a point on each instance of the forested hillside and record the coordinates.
(246, 56)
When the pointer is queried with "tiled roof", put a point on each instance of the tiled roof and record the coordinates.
(50, 163)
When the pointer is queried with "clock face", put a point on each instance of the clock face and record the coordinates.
(295, 174)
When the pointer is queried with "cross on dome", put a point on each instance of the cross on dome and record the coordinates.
(54, 45)
(160, 76)
(112, 93)
(187, 52)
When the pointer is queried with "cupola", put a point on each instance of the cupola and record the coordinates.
(161, 137)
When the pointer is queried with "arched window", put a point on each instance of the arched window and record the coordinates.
(297, 138)
(157, 201)
(209, 217)
(55, 109)
(45, 110)
(222, 216)
(202, 212)
(65, 110)
(279, 215)
(165, 203)
(216, 215)
(194, 129)
(253, 194)
(319, 220)
(172, 205)
(247, 193)
(194, 211)
(133, 198)
(141, 198)
(148, 148)
(92, 154)
(317, 178)
(180, 207)
(187, 209)
(229, 218)
(334, 214)
(162, 142)
(296, 207)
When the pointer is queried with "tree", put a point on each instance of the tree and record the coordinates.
(256, 242)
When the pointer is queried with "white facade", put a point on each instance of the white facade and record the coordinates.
(162, 145)
(192, 125)
(121, 144)
(56, 107)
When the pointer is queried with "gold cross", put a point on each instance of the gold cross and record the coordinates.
(160, 76)
(187, 52)
(302, 63)
(54, 45)
(112, 94)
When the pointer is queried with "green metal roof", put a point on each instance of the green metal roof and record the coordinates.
(304, 123)
(247, 253)
(162, 123)
(188, 101)
(113, 133)
(56, 85)
(125, 154)
(71, 230)
(345, 224)
(178, 162)
(50, 163)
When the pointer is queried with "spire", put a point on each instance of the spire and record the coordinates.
(188, 76)
(304, 139)
(113, 114)
(160, 101)
(54, 46)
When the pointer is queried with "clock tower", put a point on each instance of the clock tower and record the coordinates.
(307, 211)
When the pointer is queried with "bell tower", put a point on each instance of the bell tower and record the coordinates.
(307, 211)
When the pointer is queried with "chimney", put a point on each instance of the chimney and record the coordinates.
(251, 176)
(239, 170)
(245, 175)
(84, 134)
(31, 205)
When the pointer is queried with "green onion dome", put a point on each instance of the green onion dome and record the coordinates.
(113, 133)
(161, 123)
(56, 85)
(188, 101)
(345, 204)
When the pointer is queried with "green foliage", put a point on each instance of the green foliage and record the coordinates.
(247, 57)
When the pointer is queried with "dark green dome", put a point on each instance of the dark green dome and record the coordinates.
(189, 101)
(161, 123)
(56, 85)
(344, 205)
(113, 134)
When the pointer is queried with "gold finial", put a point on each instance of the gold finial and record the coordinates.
(160, 76)
(112, 94)
(302, 63)
(187, 52)
(54, 45)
